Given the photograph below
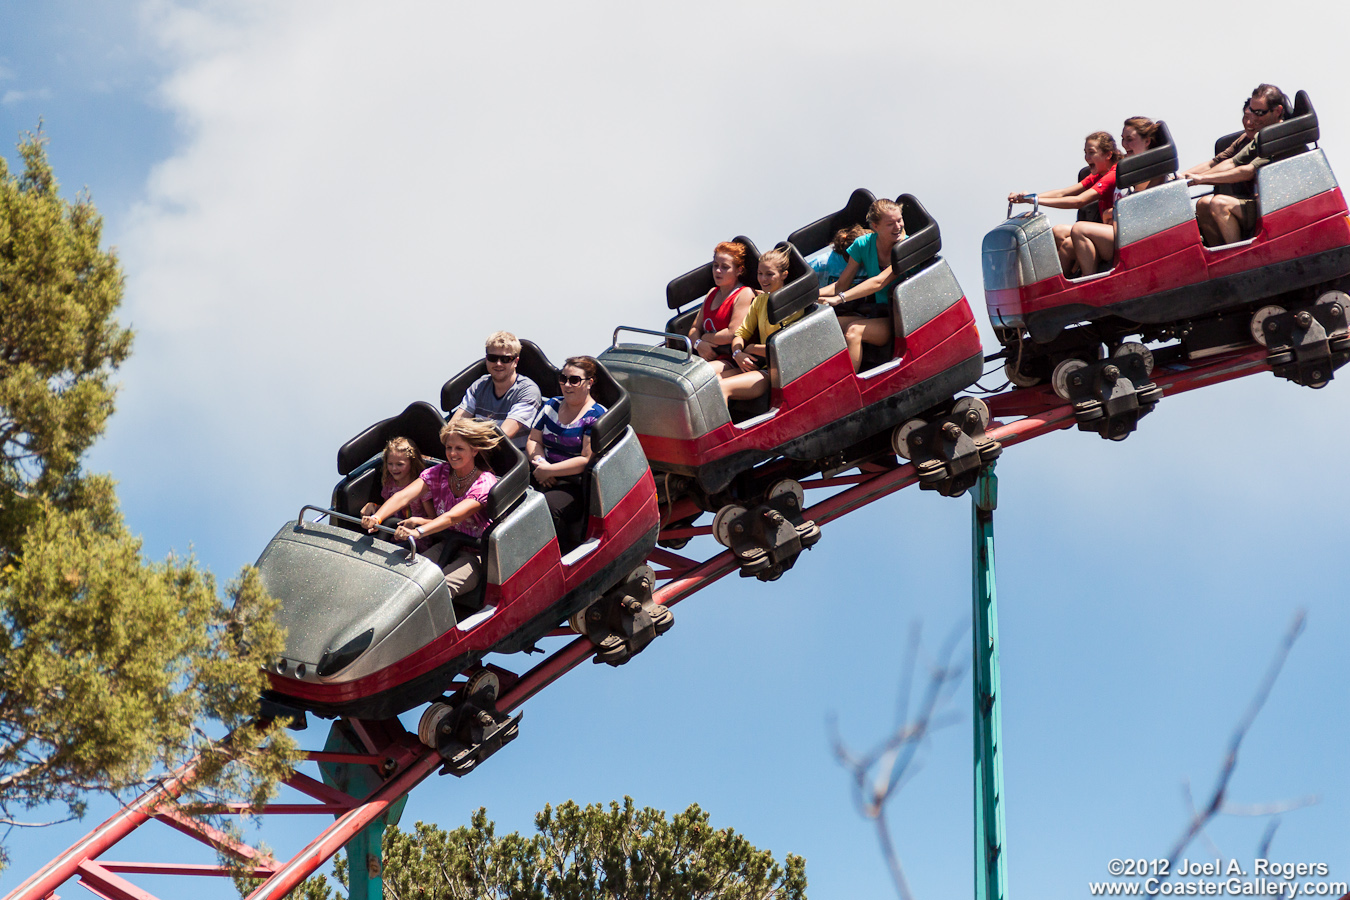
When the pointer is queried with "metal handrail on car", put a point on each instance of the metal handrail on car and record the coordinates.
(1035, 205)
(334, 514)
(688, 344)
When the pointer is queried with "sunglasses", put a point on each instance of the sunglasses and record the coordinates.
(1247, 107)
(571, 379)
(498, 358)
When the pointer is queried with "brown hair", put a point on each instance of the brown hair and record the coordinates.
(586, 364)
(1272, 95)
(1146, 127)
(734, 249)
(405, 448)
(844, 238)
(1106, 143)
(881, 208)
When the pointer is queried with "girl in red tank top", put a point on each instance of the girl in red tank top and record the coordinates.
(724, 308)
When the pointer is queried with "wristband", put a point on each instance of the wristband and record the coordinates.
(418, 529)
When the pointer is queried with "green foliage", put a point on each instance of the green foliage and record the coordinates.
(114, 667)
(585, 853)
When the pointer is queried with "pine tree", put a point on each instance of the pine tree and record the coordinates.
(112, 668)
(583, 853)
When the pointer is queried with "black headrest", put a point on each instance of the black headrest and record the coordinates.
(1155, 162)
(694, 285)
(810, 238)
(513, 477)
(618, 410)
(799, 291)
(1291, 136)
(924, 239)
(1225, 142)
(533, 364)
(419, 423)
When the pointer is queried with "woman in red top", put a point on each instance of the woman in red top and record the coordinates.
(1096, 241)
(724, 308)
(1101, 154)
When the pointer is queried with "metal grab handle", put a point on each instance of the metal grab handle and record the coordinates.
(334, 514)
(1035, 205)
(688, 344)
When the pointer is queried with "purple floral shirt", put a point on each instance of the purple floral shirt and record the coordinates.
(443, 499)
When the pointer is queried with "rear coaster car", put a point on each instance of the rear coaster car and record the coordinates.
(371, 631)
(817, 408)
(1165, 284)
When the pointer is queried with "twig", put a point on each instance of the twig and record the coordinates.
(1215, 804)
(879, 774)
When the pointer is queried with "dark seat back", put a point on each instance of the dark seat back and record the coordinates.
(810, 238)
(533, 364)
(694, 285)
(924, 238)
(1092, 212)
(420, 423)
(1158, 161)
(1224, 142)
(1291, 136)
(799, 291)
(513, 477)
(618, 410)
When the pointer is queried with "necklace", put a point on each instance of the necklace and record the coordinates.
(458, 483)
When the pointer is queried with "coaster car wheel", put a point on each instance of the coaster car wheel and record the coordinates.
(721, 528)
(900, 437)
(1259, 322)
(1016, 377)
(967, 405)
(1059, 379)
(1129, 347)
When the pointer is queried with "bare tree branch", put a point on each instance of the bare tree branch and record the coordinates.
(878, 775)
(1215, 804)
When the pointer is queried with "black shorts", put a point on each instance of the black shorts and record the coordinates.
(864, 309)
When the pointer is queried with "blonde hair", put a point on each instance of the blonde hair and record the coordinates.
(778, 257)
(406, 448)
(481, 436)
(503, 340)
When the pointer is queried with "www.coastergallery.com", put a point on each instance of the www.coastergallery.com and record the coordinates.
(1232, 887)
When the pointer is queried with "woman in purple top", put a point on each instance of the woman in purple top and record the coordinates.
(458, 491)
(559, 447)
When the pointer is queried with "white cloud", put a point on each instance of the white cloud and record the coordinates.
(15, 97)
(363, 192)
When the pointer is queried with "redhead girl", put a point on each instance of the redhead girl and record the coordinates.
(458, 492)
(864, 310)
(1101, 155)
(402, 462)
(724, 308)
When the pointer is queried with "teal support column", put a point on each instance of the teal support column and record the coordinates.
(365, 851)
(991, 872)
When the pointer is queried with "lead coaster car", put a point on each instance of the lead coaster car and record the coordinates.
(816, 408)
(371, 629)
(1165, 284)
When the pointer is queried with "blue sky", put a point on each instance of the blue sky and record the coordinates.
(322, 208)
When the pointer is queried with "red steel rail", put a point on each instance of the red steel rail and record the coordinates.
(410, 763)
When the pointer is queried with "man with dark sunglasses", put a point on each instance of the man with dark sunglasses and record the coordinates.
(1230, 212)
(509, 400)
